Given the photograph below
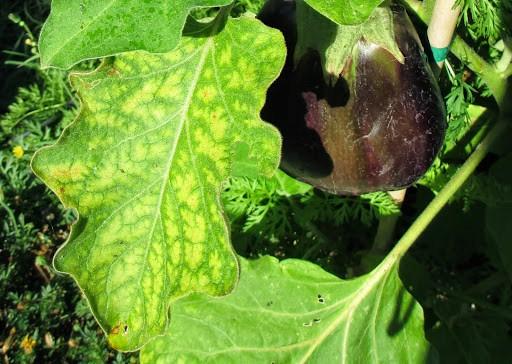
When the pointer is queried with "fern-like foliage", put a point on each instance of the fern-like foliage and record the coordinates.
(323, 207)
(460, 96)
(483, 19)
(44, 102)
(257, 204)
(482, 188)
(277, 207)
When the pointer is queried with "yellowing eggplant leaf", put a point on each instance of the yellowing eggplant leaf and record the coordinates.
(143, 165)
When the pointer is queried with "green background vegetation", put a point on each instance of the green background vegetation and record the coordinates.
(459, 275)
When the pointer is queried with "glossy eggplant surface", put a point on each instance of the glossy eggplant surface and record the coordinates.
(377, 125)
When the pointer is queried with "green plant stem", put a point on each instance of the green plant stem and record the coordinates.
(487, 72)
(458, 179)
(387, 225)
(498, 85)
(33, 112)
(508, 71)
(506, 58)
(313, 249)
(385, 232)
(497, 81)
(11, 216)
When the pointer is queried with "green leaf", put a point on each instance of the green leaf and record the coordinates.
(143, 165)
(294, 312)
(336, 43)
(83, 29)
(346, 11)
(289, 186)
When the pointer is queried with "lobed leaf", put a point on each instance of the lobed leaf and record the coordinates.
(294, 312)
(143, 165)
(83, 29)
(346, 12)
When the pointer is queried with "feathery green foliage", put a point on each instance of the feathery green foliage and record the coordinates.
(455, 271)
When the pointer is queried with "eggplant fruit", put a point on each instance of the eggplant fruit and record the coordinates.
(379, 123)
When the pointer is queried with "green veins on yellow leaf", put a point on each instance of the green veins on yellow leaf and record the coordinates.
(143, 165)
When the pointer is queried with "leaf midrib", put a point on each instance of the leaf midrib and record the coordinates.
(172, 153)
(374, 279)
(170, 159)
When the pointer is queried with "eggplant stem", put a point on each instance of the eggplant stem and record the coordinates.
(387, 224)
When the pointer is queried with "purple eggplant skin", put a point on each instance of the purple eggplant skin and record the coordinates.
(379, 127)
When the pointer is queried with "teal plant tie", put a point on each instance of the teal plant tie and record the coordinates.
(440, 54)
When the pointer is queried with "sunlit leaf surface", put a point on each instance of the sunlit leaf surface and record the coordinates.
(143, 165)
(83, 29)
(346, 11)
(294, 312)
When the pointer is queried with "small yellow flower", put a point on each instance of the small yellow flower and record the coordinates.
(28, 344)
(18, 151)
